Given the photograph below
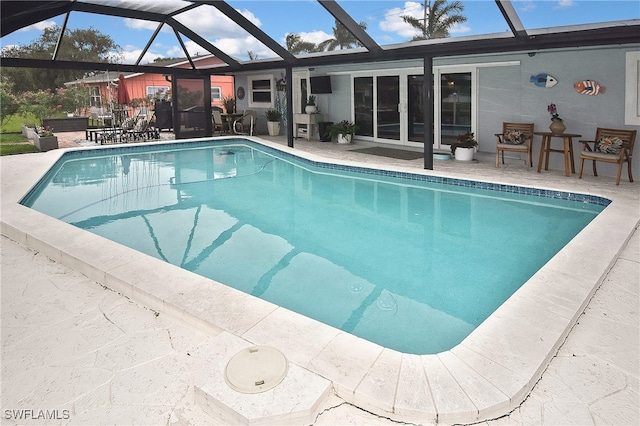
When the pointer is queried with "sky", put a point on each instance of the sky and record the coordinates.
(313, 23)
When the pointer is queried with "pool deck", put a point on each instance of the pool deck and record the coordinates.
(96, 333)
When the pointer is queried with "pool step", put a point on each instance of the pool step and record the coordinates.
(295, 400)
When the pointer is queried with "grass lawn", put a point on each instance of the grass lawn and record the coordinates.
(15, 143)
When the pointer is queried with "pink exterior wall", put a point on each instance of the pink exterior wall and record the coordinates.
(137, 84)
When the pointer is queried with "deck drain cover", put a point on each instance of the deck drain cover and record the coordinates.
(256, 369)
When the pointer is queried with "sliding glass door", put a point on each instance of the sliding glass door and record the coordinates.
(389, 108)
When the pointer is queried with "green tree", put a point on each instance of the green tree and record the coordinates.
(342, 38)
(8, 101)
(296, 45)
(85, 45)
(439, 16)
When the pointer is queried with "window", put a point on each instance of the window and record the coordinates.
(261, 91)
(216, 93)
(157, 92)
(632, 92)
(94, 93)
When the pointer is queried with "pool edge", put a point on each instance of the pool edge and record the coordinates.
(476, 358)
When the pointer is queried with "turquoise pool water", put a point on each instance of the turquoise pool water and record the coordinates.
(410, 262)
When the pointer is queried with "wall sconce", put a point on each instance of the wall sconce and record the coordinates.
(166, 77)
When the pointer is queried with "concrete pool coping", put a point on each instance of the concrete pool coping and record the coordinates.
(485, 376)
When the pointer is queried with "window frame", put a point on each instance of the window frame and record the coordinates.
(252, 91)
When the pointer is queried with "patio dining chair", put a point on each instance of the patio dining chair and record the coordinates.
(515, 137)
(610, 146)
(245, 124)
(217, 121)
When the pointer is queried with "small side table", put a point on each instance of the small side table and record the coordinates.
(309, 120)
(545, 149)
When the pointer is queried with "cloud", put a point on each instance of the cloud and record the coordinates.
(215, 27)
(566, 3)
(394, 23)
(40, 26)
(315, 36)
(526, 6)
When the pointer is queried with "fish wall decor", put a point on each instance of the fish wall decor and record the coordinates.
(589, 87)
(543, 80)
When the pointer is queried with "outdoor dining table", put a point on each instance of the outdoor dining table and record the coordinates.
(567, 150)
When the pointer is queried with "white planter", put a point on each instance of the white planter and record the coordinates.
(311, 109)
(28, 132)
(273, 127)
(344, 138)
(464, 154)
(45, 143)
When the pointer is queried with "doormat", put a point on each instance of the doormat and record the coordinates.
(400, 154)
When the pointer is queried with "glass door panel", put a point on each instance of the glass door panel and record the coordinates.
(455, 105)
(415, 115)
(363, 103)
(388, 99)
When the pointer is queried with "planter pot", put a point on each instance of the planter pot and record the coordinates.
(45, 143)
(557, 127)
(311, 109)
(273, 127)
(28, 132)
(464, 154)
(344, 138)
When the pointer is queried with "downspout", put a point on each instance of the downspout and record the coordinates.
(428, 111)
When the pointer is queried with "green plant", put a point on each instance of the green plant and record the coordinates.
(311, 100)
(464, 140)
(45, 131)
(344, 127)
(229, 104)
(273, 114)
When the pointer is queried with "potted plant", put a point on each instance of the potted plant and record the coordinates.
(464, 147)
(273, 121)
(342, 131)
(44, 139)
(229, 104)
(311, 107)
(557, 126)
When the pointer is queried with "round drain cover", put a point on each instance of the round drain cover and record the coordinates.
(256, 369)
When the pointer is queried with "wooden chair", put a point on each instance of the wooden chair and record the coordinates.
(525, 133)
(628, 138)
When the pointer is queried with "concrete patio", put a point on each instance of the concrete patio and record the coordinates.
(84, 354)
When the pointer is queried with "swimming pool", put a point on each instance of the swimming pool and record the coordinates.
(352, 247)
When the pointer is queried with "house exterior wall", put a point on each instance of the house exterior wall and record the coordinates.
(505, 93)
(137, 83)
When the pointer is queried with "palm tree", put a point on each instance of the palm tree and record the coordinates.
(342, 38)
(438, 18)
(296, 45)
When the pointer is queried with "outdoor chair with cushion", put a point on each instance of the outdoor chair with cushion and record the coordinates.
(610, 146)
(515, 137)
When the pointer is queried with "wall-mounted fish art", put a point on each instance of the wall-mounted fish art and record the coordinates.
(543, 80)
(589, 87)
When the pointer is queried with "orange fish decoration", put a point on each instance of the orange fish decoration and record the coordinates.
(589, 87)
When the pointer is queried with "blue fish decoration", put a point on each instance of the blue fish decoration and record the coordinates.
(543, 80)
